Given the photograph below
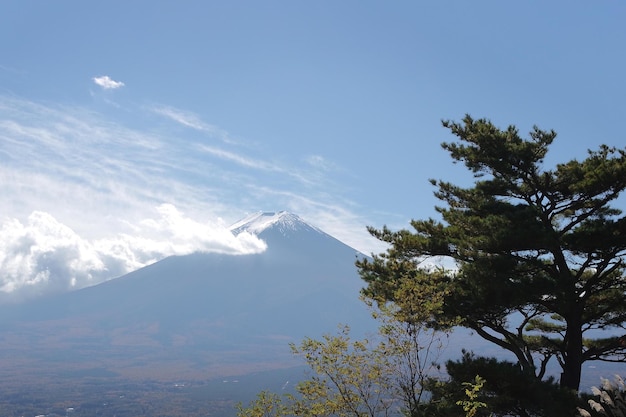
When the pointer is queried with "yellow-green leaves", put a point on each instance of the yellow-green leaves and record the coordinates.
(267, 404)
(472, 390)
(351, 377)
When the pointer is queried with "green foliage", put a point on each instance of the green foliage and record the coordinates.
(471, 405)
(361, 378)
(543, 246)
(267, 404)
(507, 390)
(412, 349)
(349, 377)
(538, 259)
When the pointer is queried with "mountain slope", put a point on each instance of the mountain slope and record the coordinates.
(201, 313)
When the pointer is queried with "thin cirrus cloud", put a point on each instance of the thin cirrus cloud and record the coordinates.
(319, 161)
(91, 187)
(107, 83)
(87, 199)
(239, 159)
(302, 178)
(192, 121)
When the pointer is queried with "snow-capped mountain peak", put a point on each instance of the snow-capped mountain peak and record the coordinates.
(263, 220)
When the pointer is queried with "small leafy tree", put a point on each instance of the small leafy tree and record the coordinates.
(414, 341)
(362, 378)
(539, 252)
(349, 377)
(266, 404)
(471, 404)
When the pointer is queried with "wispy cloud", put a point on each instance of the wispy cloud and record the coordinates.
(239, 159)
(86, 199)
(319, 162)
(191, 120)
(107, 83)
(307, 179)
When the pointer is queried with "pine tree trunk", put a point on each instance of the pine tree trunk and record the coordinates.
(572, 366)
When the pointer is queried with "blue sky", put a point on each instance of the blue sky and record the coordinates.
(130, 131)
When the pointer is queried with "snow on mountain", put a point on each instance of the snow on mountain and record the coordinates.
(263, 220)
(195, 315)
(284, 231)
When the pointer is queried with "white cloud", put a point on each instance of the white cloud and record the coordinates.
(184, 118)
(319, 162)
(45, 256)
(107, 83)
(241, 160)
(258, 164)
(95, 184)
(175, 234)
(192, 121)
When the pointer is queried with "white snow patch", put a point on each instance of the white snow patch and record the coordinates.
(263, 220)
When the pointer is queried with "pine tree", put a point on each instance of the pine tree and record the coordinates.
(539, 253)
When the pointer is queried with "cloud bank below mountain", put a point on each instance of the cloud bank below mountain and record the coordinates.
(44, 256)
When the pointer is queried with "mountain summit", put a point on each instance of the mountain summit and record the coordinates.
(260, 221)
(287, 235)
(197, 315)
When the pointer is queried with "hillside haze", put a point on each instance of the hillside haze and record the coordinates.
(196, 316)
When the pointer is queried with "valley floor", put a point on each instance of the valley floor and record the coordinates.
(108, 397)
